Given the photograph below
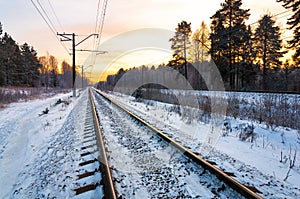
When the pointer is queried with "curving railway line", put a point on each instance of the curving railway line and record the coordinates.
(137, 160)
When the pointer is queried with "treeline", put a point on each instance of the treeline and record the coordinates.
(248, 57)
(20, 66)
(50, 76)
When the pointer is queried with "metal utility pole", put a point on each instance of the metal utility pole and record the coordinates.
(71, 37)
(73, 65)
(82, 77)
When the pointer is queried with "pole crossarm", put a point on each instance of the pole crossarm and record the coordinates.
(94, 51)
(65, 36)
(94, 34)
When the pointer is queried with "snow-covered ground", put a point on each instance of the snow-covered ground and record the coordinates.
(39, 153)
(145, 166)
(256, 164)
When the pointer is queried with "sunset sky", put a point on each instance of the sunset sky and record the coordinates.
(22, 21)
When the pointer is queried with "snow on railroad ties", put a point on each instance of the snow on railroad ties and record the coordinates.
(39, 152)
(255, 164)
(145, 166)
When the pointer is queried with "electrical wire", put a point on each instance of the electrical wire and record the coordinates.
(102, 21)
(50, 27)
(49, 24)
(53, 11)
(99, 27)
(47, 16)
(231, 31)
(97, 19)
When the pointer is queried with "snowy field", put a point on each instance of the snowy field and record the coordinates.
(39, 153)
(263, 163)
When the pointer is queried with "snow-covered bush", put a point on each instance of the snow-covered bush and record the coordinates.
(226, 128)
(247, 133)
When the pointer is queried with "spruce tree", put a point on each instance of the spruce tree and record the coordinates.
(18, 64)
(10, 60)
(1, 58)
(247, 68)
(30, 66)
(268, 46)
(294, 24)
(218, 49)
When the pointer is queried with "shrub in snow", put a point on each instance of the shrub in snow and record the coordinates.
(175, 109)
(44, 111)
(247, 133)
(137, 94)
(226, 128)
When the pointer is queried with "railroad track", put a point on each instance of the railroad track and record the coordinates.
(94, 160)
(144, 160)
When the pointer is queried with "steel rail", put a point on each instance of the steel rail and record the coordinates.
(231, 182)
(109, 189)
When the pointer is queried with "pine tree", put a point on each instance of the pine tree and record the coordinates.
(268, 46)
(247, 68)
(228, 37)
(294, 23)
(218, 44)
(181, 43)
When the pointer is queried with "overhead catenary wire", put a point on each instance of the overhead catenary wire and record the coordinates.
(53, 11)
(99, 27)
(49, 23)
(96, 25)
(95, 31)
(47, 16)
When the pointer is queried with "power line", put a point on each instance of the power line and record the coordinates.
(102, 21)
(43, 17)
(52, 9)
(49, 20)
(99, 26)
(52, 29)
(96, 24)
(282, 12)
(236, 29)
(97, 15)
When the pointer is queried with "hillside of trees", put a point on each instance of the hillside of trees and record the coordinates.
(249, 57)
(21, 66)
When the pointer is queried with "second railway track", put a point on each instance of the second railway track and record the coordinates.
(144, 165)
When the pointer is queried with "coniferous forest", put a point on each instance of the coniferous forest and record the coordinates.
(249, 57)
(21, 66)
